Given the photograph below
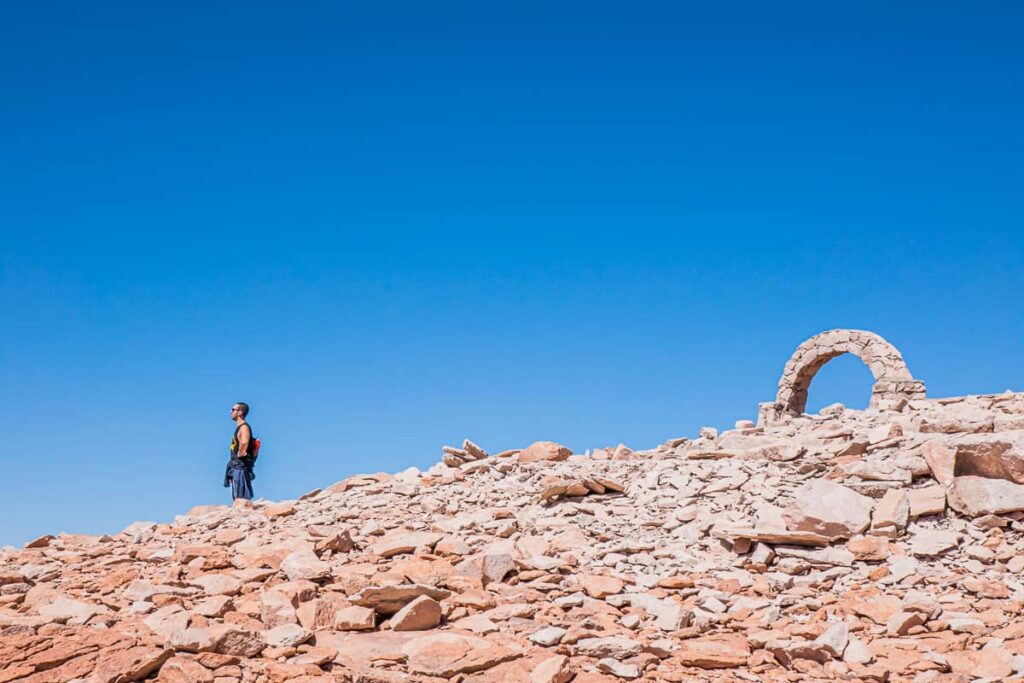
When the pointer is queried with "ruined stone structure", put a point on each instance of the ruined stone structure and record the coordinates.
(894, 384)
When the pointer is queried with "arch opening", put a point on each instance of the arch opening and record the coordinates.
(844, 379)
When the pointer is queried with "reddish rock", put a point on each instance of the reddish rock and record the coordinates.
(993, 456)
(179, 669)
(133, 664)
(41, 542)
(713, 652)
(339, 542)
(929, 500)
(279, 510)
(555, 669)
(354, 618)
(389, 599)
(868, 548)
(448, 654)
(421, 614)
(876, 607)
(599, 587)
(544, 451)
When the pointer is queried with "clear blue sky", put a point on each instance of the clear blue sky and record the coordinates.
(389, 226)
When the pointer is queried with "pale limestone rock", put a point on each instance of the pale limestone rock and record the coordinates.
(65, 610)
(277, 608)
(857, 652)
(548, 636)
(834, 639)
(928, 542)
(287, 635)
(941, 458)
(354, 618)
(191, 640)
(829, 509)
(891, 514)
(237, 641)
(618, 669)
(976, 496)
(929, 500)
(401, 543)
(611, 646)
(304, 564)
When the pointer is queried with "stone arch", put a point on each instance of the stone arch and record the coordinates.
(893, 381)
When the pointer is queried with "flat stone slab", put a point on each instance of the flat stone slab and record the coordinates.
(774, 536)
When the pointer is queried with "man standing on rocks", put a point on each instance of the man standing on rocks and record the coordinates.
(239, 473)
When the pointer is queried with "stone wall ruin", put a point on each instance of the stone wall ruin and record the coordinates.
(894, 385)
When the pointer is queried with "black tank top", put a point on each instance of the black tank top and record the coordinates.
(235, 444)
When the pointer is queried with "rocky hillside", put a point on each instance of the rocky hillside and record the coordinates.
(848, 545)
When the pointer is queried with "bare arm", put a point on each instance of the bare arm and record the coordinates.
(244, 436)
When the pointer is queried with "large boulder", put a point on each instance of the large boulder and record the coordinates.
(997, 456)
(976, 496)
(829, 509)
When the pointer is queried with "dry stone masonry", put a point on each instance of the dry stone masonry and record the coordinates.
(877, 545)
(894, 385)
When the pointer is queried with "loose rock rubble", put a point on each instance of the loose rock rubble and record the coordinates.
(850, 545)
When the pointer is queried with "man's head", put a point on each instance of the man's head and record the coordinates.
(239, 410)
